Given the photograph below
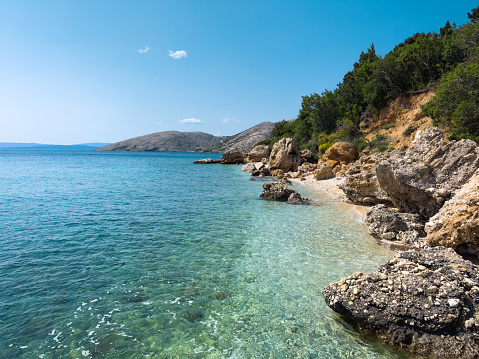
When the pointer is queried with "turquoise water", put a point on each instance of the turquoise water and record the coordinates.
(146, 255)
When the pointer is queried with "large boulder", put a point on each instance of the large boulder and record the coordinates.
(425, 301)
(341, 152)
(361, 184)
(258, 153)
(323, 172)
(284, 156)
(415, 182)
(408, 186)
(457, 223)
(395, 229)
(233, 157)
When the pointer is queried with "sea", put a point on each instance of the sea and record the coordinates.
(147, 255)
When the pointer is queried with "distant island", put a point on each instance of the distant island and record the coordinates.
(40, 146)
(175, 141)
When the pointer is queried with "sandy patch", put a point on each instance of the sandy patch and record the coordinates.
(329, 190)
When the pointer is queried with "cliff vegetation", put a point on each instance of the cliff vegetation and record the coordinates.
(446, 62)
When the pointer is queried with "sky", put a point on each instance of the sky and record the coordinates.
(83, 71)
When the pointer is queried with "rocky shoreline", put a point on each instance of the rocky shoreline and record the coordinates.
(425, 204)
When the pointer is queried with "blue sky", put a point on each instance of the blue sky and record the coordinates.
(101, 71)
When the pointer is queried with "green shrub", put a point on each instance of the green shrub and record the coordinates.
(388, 126)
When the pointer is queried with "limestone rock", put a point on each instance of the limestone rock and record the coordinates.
(457, 223)
(417, 182)
(249, 167)
(233, 157)
(424, 301)
(396, 230)
(206, 161)
(258, 153)
(323, 172)
(341, 151)
(306, 155)
(407, 187)
(361, 184)
(284, 156)
(278, 173)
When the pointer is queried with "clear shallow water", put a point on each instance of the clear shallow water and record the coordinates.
(132, 255)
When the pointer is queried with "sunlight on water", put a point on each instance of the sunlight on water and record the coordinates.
(118, 255)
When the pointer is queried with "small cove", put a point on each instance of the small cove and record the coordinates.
(109, 255)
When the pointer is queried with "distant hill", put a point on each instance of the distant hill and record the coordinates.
(39, 146)
(174, 141)
(247, 139)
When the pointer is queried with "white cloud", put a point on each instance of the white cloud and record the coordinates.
(228, 120)
(145, 50)
(178, 54)
(191, 120)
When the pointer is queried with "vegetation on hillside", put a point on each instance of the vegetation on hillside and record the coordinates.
(447, 60)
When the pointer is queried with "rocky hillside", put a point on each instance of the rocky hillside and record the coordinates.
(399, 120)
(174, 141)
(247, 139)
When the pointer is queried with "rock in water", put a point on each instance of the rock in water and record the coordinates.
(426, 302)
(233, 157)
(284, 156)
(295, 198)
(279, 192)
(206, 161)
(249, 167)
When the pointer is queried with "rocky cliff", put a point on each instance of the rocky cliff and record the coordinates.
(426, 299)
(174, 141)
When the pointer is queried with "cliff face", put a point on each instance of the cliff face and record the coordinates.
(174, 141)
(399, 119)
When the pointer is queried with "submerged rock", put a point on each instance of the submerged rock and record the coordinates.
(426, 302)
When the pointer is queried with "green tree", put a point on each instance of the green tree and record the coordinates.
(456, 104)
(474, 15)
